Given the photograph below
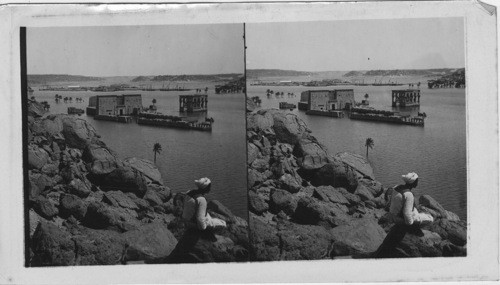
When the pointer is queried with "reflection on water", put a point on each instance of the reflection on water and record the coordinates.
(437, 151)
(187, 154)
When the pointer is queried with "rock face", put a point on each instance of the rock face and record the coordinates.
(307, 204)
(88, 207)
(149, 242)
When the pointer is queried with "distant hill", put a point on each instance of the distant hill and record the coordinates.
(276, 73)
(46, 78)
(353, 73)
(140, 78)
(454, 79)
(402, 72)
(198, 77)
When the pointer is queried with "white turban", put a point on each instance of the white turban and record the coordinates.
(410, 177)
(202, 183)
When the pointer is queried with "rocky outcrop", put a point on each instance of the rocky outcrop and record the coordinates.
(88, 207)
(307, 204)
(149, 242)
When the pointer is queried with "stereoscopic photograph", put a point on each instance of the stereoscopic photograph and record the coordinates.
(220, 142)
(135, 142)
(356, 136)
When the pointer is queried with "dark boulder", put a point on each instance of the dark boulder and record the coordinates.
(52, 246)
(149, 242)
(282, 200)
(50, 169)
(373, 186)
(77, 132)
(357, 162)
(101, 160)
(119, 199)
(71, 205)
(449, 249)
(259, 121)
(363, 192)
(102, 216)
(329, 193)
(163, 192)
(98, 247)
(35, 109)
(431, 203)
(75, 154)
(37, 157)
(453, 231)
(288, 127)
(39, 183)
(264, 193)
(264, 240)
(34, 220)
(255, 177)
(256, 203)
(360, 236)
(126, 179)
(352, 198)
(309, 211)
(45, 207)
(427, 245)
(266, 143)
(217, 207)
(260, 164)
(49, 126)
(146, 168)
(79, 188)
(250, 105)
(303, 242)
(141, 203)
(310, 154)
(237, 230)
(291, 183)
(152, 198)
(336, 174)
(253, 153)
(220, 249)
(251, 136)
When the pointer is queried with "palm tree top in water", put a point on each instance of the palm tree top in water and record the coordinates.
(156, 149)
(369, 144)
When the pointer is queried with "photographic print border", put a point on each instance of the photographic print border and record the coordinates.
(482, 140)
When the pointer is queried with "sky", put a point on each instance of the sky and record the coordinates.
(136, 50)
(357, 45)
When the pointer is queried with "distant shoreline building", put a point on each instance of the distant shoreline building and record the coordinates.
(406, 98)
(193, 103)
(327, 100)
(115, 105)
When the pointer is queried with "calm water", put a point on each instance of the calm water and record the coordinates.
(437, 151)
(187, 155)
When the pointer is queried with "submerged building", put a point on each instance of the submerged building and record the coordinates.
(193, 103)
(115, 105)
(406, 98)
(326, 100)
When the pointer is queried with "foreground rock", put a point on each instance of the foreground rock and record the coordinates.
(307, 204)
(88, 207)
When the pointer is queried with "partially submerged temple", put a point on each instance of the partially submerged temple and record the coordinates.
(406, 98)
(193, 103)
(115, 105)
(327, 100)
